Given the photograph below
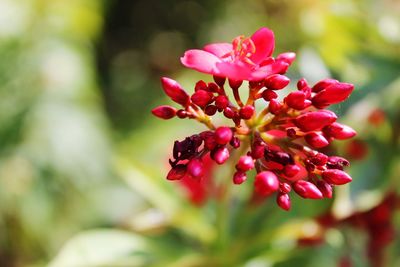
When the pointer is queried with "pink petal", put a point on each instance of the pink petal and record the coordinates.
(264, 41)
(200, 60)
(265, 71)
(219, 49)
(234, 70)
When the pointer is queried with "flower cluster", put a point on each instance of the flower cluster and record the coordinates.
(281, 142)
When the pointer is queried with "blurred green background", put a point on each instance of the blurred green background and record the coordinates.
(82, 159)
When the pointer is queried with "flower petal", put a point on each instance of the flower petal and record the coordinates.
(200, 60)
(264, 41)
(265, 71)
(237, 71)
(219, 49)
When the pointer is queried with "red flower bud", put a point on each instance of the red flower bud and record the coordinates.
(221, 102)
(245, 163)
(287, 57)
(235, 142)
(325, 188)
(266, 183)
(195, 168)
(297, 100)
(276, 82)
(202, 98)
(285, 188)
(175, 91)
(307, 190)
(239, 177)
(177, 172)
(334, 93)
(312, 121)
(164, 112)
(210, 110)
(268, 94)
(316, 140)
(291, 170)
(220, 155)
(336, 177)
(201, 85)
(182, 114)
(229, 113)
(283, 201)
(223, 135)
(319, 160)
(213, 87)
(339, 131)
(302, 84)
(246, 112)
(274, 106)
(321, 85)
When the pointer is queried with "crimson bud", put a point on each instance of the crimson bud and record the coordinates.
(164, 112)
(175, 91)
(245, 163)
(336, 177)
(239, 177)
(283, 201)
(316, 140)
(276, 82)
(316, 120)
(307, 190)
(223, 135)
(266, 183)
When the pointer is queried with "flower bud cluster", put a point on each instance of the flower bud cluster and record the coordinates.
(281, 142)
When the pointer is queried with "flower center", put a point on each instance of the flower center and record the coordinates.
(243, 49)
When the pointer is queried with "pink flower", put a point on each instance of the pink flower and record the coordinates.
(245, 59)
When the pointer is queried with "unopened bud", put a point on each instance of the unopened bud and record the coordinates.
(276, 82)
(274, 106)
(339, 131)
(239, 177)
(325, 188)
(223, 135)
(307, 190)
(334, 93)
(245, 163)
(202, 98)
(246, 112)
(266, 183)
(297, 100)
(164, 112)
(316, 140)
(336, 177)
(321, 85)
(175, 91)
(220, 155)
(291, 170)
(315, 120)
(268, 94)
(283, 201)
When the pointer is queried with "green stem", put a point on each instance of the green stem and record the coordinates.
(223, 211)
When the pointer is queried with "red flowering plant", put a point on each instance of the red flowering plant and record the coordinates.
(282, 141)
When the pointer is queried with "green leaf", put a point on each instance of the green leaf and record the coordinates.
(103, 248)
